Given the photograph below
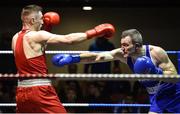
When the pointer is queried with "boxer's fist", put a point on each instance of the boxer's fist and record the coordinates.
(65, 59)
(144, 65)
(50, 19)
(104, 30)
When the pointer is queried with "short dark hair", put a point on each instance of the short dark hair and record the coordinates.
(29, 9)
(135, 36)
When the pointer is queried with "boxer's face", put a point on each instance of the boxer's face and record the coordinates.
(128, 46)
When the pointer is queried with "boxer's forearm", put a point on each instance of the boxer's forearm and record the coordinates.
(96, 57)
(88, 57)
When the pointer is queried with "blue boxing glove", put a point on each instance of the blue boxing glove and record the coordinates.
(65, 59)
(144, 65)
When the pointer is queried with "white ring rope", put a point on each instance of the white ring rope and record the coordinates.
(70, 52)
(48, 52)
(92, 76)
(64, 104)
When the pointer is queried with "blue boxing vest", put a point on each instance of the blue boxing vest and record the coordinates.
(163, 95)
(152, 86)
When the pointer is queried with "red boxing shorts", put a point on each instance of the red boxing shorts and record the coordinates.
(37, 96)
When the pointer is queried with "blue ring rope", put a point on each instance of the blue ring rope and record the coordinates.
(169, 52)
(118, 105)
(173, 52)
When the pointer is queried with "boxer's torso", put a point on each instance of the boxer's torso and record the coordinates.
(29, 57)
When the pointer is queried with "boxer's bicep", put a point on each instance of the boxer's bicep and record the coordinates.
(167, 66)
(72, 38)
(164, 62)
(42, 36)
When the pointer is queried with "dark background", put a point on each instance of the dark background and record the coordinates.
(99, 3)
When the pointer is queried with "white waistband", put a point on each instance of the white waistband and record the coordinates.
(33, 82)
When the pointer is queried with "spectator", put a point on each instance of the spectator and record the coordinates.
(101, 44)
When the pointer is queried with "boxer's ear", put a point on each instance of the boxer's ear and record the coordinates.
(137, 45)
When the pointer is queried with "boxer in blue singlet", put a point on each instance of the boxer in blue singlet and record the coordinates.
(142, 59)
(159, 91)
(152, 86)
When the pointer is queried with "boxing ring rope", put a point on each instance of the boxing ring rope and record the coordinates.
(49, 52)
(87, 105)
(92, 76)
(56, 52)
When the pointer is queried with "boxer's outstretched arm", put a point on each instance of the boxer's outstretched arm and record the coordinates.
(116, 54)
(94, 57)
(72, 38)
(103, 30)
(50, 19)
(91, 57)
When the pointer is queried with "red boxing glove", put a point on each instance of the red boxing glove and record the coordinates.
(104, 30)
(50, 19)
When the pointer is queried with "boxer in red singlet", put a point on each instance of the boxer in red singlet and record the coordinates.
(37, 95)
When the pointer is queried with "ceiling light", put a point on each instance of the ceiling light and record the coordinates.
(87, 8)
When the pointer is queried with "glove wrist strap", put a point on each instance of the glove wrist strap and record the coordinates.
(76, 59)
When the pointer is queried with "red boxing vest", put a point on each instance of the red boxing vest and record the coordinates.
(35, 65)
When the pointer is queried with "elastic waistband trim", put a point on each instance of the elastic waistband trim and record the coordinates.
(33, 82)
